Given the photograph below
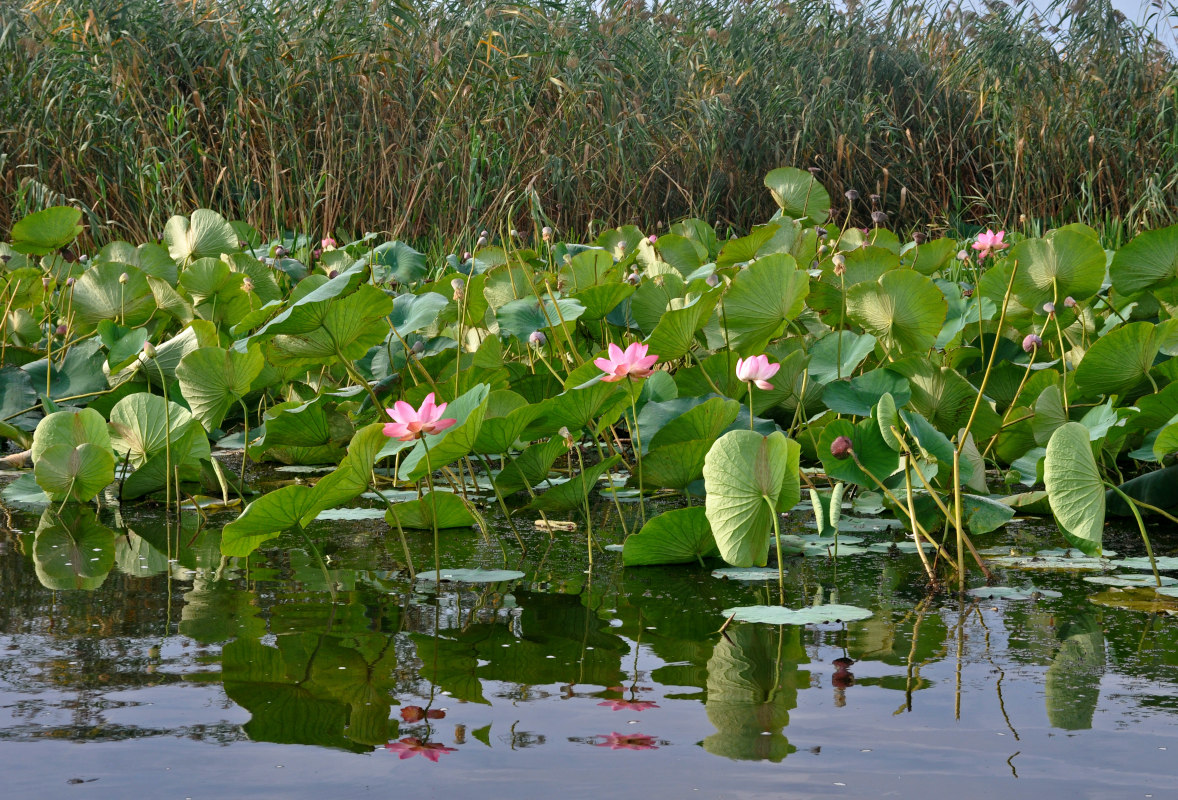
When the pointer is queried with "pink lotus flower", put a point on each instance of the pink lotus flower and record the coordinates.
(988, 242)
(410, 423)
(633, 362)
(412, 746)
(627, 741)
(629, 705)
(758, 370)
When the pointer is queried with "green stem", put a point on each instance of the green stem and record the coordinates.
(1140, 526)
(429, 481)
(777, 542)
(318, 558)
(636, 436)
(750, 406)
(585, 489)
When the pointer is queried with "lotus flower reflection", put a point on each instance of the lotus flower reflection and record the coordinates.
(412, 746)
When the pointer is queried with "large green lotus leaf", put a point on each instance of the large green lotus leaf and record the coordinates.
(140, 425)
(674, 335)
(676, 466)
(531, 466)
(761, 301)
(42, 232)
(929, 257)
(682, 536)
(599, 301)
(122, 344)
(888, 419)
(310, 303)
(682, 253)
(1158, 488)
(745, 248)
(904, 310)
(24, 288)
(419, 514)
(79, 373)
(100, 295)
(579, 408)
(798, 194)
(74, 473)
(744, 474)
(571, 494)
(1072, 684)
(412, 312)
(946, 399)
(398, 260)
(152, 259)
(838, 354)
(190, 446)
(699, 233)
(1049, 414)
(685, 420)
(72, 550)
(651, 300)
(212, 379)
(1149, 261)
(860, 394)
(354, 472)
(930, 440)
(1118, 362)
(508, 416)
(268, 516)
(984, 514)
(72, 427)
(218, 293)
(1074, 487)
(346, 328)
(868, 443)
(588, 268)
(205, 234)
(1068, 262)
(169, 354)
(864, 265)
(170, 301)
(17, 394)
(453, 443)
(521, 318)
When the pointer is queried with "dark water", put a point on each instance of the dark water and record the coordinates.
(184, 675)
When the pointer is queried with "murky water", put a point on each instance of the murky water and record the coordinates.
(180, 674)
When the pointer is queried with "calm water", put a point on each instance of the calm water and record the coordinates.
(179, 674)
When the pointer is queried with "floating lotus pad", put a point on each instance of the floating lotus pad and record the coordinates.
(1153, 601)
(352, 513)
(906, 546)
(1130, 580)
(1010, 593)
(750, 574)
(862, 524)
(472, 575)
(1141, 562)
(812, 615)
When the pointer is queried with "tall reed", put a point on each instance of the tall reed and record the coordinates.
(434, 120)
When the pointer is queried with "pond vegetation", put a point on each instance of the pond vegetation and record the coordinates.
(731, 443)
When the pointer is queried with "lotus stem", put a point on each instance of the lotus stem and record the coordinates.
(636, 437)
(585, 495)
(1141, 527)
(429, 481)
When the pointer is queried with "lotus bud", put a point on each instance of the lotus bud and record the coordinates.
(485, 234)
(962, 255)
(316, 253)
(565, 434)
(537, 339)
(418, 347)
(712, 280)
(149, 350)
(840, 264)
(83, 258)
(820, 232)
(1069, 302)
(652, 238)
(851, 195)
(124, 278)
(68, 256)
(814, 264)
(247, 283)
(482, 242)
(328, 243)
(513, 233)
(45, 282)
(874, 199)
(823, 250)
(919, 238)
(1031, 341)
(1049, 308)
(546, 233)
(879, 218)
(466, 255)
(62, 330)
(333, 273)
(619, 251)
(840, 448)
(813, 171)
(70, 282)
(279, 251)
(633, 279)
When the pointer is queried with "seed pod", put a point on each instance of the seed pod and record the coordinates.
(840, 263)
(851, 195)
(1069, 302)
(1049, 308)
(418, 347)
(919, 238)
(546, 232)
(879, 218)
(840, 448)
(1031, 341)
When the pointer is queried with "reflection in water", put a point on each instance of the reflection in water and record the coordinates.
(1073, 679)
(753, 682)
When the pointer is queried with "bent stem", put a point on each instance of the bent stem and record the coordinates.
(1141, 527)
(777, 542)
(429, 481)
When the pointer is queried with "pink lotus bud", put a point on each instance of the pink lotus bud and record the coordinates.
(537, 339)
(652, 238)
(840, 448)
(712, 280)
(1031, 341)
(328, 243)
(149, 350)
(633, 279)
(1069, 302)
(1049, 308)
(62, 330)
(334, 273)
